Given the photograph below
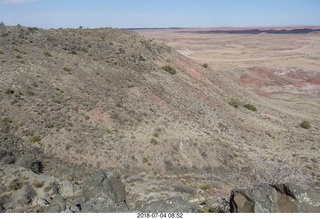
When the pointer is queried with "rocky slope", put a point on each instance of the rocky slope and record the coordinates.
(74, 100)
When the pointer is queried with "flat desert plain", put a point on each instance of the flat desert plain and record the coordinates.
(269, 64)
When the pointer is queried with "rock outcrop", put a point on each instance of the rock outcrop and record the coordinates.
(284, 198)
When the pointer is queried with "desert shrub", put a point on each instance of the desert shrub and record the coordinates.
(250, 107)
(205, 65)
(14, 185)
(156, 135)
(35, 139)
(234, 102)
(6, 120)
(305, 124)
(9, 91)
(46, 53)
(154, 141)
(145, 160)
(30, 92)
(1, 52)
(84, 50)
(36, 167)
(67, 69)
(169, 69)
(73, 52)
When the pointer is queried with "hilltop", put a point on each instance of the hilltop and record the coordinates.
(76, 100)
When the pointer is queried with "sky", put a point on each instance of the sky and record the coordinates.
(159, 13)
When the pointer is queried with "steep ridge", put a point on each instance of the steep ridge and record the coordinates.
(80, 99)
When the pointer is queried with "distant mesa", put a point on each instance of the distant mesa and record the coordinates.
(259, 31)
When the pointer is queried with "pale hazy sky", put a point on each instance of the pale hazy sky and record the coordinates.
(159, 13)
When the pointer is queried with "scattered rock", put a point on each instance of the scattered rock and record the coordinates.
(278, 198)
(36, 167)
(105, 193)
(52, 209)
(59, 200)
(68, 188)
(23, 196)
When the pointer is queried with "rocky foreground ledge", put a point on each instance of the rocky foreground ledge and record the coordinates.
(22, 190)
(283, 198)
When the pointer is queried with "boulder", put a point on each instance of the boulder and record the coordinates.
(52, 209)
(59, 200)
(275, 199)
(69, 188)
(23, 197)
(104, 192)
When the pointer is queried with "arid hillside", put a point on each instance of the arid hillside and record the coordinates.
(80, 99)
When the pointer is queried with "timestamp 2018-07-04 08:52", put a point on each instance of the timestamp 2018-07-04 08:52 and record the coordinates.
(159, 215)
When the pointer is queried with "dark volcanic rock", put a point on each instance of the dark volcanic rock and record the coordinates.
(278, 198)
(105, 193)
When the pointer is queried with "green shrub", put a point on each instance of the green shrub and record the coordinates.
(30, 92)
(6, 120)
(145, 160)
(154, 141)
(205, 65)
(169, 69)
(46, 53)
(305, 124)
(67, 69)
(9, 91)
(235, 103)
(15, 185)
(156, 135)
(250, 107)
(36, 139)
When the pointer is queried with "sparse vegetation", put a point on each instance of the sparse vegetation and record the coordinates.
(67, 69)
(30, 92)
(154, 141)
(14, 185)
(145, 160)
(47, 53)
(205, 65)
(35, 139)
(234, 102)
(169, 69)
(250, 107)
(9, 91)
(6, 120)
(305, 124)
